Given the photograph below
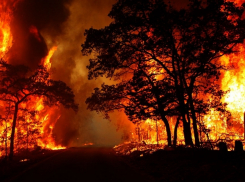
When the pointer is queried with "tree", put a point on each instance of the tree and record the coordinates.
(142, 97)
(18, 84)
(184, 46)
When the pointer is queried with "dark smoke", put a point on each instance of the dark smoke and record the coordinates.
(43, 14)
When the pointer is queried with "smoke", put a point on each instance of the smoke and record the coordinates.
(86, 126)
(40, 15)
(37, 26)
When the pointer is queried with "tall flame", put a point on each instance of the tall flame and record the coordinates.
(6, 37)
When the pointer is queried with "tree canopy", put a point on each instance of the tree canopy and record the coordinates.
(176, 50)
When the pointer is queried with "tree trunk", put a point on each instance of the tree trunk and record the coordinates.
(164, 119)
(6, 139)
(183, 110)
(187, 132)
(167, 129)
(176, 132)
(157, 134)
(27, 134)
(186, 125)
(11, 153)
(194, 122)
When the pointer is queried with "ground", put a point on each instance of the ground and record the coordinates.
(190, 165)
(103, 164)
(23, 161)
(86, 164)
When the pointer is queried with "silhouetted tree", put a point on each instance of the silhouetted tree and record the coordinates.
(183, 45)
(141, 98)
(18, 84)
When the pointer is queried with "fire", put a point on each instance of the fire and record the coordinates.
(238, 2)
(37, 129)
(6, 38)
(47, 59)
(233, 80)
(32, 129)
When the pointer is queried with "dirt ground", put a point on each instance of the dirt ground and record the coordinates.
(190, 165)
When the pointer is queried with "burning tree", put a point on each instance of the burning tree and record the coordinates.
(174, 48)
(19, 85)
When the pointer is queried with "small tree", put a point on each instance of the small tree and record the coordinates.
(18, 84)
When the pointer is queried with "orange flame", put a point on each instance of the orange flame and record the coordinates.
(6, 38)
(47, 59)
(40, 127)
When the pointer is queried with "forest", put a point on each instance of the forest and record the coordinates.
(168, 77)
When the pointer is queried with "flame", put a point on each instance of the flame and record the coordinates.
(31, 131)
(233, 81)
(47, 59)
(6, 37)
